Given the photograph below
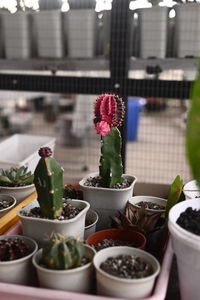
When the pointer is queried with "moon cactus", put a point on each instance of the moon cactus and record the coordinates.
(109, 111)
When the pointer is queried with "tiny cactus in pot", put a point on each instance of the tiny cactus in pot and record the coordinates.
(109, 113)
(48, 180)
(62, 253)
(16, 177)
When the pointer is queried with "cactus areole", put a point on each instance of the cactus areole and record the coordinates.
(48, 180)
(109, 111)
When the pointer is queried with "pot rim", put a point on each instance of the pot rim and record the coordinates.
(25, 238)
(11, 206)
(17, 187)
(87, 206)
(151, 199)
(138, 280)
(68, 271)
(185, 234)
(94, 223)
(94, 174)
(119, 230)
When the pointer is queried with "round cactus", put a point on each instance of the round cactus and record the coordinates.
(61, 253)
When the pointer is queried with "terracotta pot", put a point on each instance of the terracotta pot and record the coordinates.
(127, 235)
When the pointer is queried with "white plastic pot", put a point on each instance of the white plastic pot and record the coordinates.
(38, 228)
(106, 201)
(93, 217)
(19, 193)
(75, 280)
(187, 30)
(186, 246)
(9, 198)
(113, 286)
(153, 31)
(160, 201)
(81, 35)
(17, 35)
(18, 271)
(191, 190)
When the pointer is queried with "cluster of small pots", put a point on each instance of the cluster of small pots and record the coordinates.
(20, 271)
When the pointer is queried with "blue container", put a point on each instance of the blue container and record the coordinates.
(133, 115)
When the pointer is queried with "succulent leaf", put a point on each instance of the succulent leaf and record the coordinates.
(16, 177)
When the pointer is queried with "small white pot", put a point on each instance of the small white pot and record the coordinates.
(191, 190)
(9, 198)
(160, 201)
(38, 228)
(75, 280)
(18, 271)
(186, 246)
(19, 193)
(106, 201)
(93, 216)
(113, 286)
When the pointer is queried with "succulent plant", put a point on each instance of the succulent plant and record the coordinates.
(109, 113)
(15, 177)
(61, 253)
(11, 249)
(138, 219)
(48, 179)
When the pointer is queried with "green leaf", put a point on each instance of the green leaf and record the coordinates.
(174, 194)
(5, 179)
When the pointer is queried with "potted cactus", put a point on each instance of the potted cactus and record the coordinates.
(51, 212)
(65, 263)
(15, 259)
(108, 190)
(17, 181)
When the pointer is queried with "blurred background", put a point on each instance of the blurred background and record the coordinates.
(57, 56)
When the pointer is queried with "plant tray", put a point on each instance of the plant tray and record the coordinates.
(14, 292)
(11, 217)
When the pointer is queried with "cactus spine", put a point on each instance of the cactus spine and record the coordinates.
(61, 253)
(48, 180)
(109, 113)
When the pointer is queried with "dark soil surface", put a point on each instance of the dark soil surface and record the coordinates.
(127, 266)
(5, 203)
(13, 249)
(69, 212)
(190, 220)
(111, 243)
(88, 222)
(150, 205)
(95, 182)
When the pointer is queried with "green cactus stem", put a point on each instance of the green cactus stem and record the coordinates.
(111, 168)
(48, 180)
(61, 253)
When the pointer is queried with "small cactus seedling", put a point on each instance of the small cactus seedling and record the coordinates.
(62, 253)
(48, 179)
(109, 113)
(15, 177)
(11, 249)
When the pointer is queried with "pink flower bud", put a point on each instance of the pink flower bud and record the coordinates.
(102, 128)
